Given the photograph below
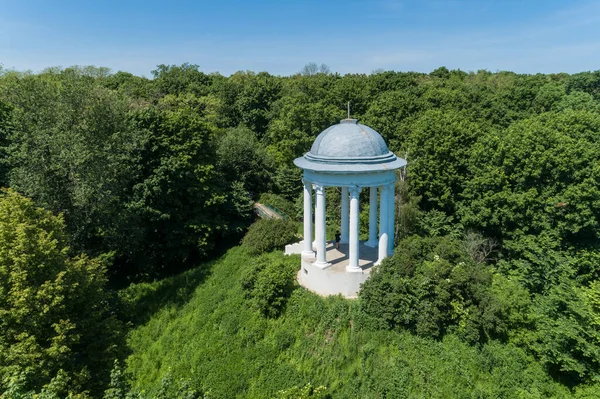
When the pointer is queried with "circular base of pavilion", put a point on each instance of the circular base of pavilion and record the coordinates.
(334, 279)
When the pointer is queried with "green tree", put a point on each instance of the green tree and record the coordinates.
(432, 286)
(389, 112)
(441, 72)
(74, 150)
(588, 82)
(5, 124)
(255, 99)
(567, 336)
(548, 97)
(297, 122)
(134, 86)
(178, 201)
(180, 79)
(540, 175)
(439, 149)
(578, 101)
(54, 313)
(351, 88)
(241, 157)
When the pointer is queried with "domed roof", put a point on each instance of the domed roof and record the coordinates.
(349, 147)
(349, 139)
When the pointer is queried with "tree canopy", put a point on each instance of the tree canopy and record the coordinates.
(115, 180)
(55, 321)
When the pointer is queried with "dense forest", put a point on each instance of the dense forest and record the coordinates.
(132, 266)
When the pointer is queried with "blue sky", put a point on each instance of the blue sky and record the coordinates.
(280, 37)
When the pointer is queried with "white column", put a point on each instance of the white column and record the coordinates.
(307, 245)
(314, 236)
(354, 242)
(345, 215)
(372, 218)
(384, 209)
(320, 227)
(392, 220)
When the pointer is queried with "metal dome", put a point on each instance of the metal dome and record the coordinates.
(349, 147)
(349, 139)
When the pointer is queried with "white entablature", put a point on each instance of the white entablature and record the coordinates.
(351, 156)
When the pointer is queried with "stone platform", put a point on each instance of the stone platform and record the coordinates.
(334, 279)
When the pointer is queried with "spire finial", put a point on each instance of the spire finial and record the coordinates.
(348, 109)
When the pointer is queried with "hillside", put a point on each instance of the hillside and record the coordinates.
(201, 328)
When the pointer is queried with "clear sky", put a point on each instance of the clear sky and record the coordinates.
(280, 37)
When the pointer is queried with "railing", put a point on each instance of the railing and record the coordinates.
(278, 213)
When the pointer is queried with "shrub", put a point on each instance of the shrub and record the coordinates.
(308, 391)
(566, 338)
(432, 286)
(265, 235)
(269, 283)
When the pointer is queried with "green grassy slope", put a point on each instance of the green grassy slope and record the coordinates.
(199, 326)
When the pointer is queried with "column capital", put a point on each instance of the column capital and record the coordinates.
(320, 189)
(354, 191)
(306, 183)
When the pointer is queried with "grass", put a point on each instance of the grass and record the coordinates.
(200, 327)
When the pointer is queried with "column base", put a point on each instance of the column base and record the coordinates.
(322, 265)
(378, 262)
(330, 281)
(308, 254)
(372, 244)
(353, 269)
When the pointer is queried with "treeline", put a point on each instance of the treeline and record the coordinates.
(158, 171)
(499, 206)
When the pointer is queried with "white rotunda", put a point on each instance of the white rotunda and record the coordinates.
(353, 157)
